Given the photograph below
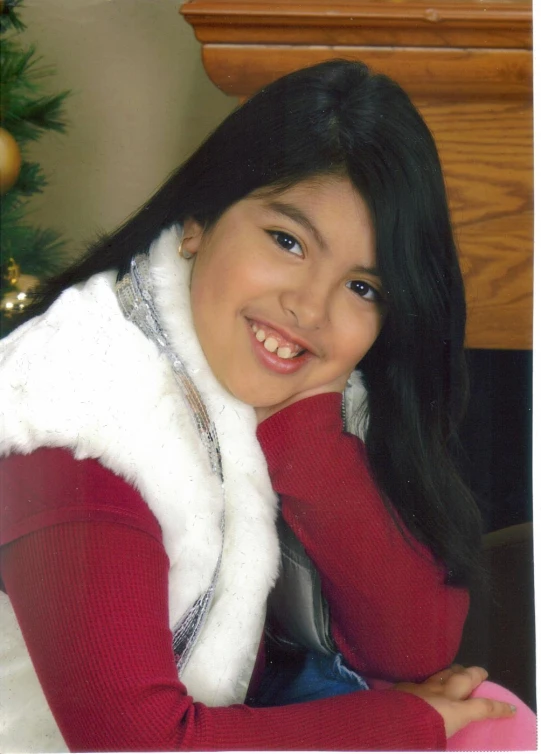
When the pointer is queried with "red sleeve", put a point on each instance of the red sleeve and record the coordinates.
(49, 487)
(392, 616)
(91, 600)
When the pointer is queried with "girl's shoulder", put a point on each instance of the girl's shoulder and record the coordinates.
(49, 487)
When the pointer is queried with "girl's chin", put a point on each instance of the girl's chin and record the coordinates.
(259, 400)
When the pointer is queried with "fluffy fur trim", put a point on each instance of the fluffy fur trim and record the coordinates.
(82, 377)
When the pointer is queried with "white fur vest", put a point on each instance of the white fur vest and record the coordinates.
(82, 377)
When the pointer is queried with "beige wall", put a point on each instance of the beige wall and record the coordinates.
(141, 102)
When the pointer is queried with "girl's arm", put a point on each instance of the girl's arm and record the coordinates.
(392, 616)
(91, 600)
(87, 575)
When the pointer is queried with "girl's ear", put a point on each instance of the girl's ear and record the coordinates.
(192, 235)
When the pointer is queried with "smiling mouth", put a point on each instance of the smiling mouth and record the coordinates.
(274, 342)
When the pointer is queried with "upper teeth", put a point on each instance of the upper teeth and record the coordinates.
(271, 344)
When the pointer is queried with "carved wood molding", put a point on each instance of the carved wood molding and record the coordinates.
(492, 23)
(472, 49)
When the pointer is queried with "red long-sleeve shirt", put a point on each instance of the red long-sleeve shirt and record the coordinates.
(84, 566)
(392, 616)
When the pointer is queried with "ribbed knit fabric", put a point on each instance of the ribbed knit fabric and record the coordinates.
(86, 573)
(392, 616)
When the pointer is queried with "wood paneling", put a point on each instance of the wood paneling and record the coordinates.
(242, 69)
(468, 67)
(486, 153)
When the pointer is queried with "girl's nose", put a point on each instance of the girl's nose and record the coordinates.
(309, 304)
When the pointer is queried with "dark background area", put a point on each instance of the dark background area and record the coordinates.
(497, 443)
(496, 436)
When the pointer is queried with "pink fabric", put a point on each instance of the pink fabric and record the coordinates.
(517, 733)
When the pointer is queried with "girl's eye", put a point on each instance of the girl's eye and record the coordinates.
(286, 242)
(364, 290)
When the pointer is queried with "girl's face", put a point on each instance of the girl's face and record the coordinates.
(285, 293)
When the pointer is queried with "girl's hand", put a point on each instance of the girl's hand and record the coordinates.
(448, 693)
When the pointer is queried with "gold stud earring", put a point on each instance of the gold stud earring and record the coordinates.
(184, 253)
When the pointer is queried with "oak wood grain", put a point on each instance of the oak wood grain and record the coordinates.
(486, 152)
(441, 72)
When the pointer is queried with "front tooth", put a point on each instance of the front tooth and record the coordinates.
(271, 344)
(260, 335)
(255, 328)
(284, 352)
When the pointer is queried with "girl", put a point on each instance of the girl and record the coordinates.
(309, 233)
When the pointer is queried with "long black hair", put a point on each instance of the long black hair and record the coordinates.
(340, 118)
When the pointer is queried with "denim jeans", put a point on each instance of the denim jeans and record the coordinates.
(306, 677)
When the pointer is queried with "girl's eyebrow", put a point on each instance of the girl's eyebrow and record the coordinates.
(297, 215)
(360, 268)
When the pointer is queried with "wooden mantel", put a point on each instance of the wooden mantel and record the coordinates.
(468, 67)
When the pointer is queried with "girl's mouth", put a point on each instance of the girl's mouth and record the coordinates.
(273, 342)
(275, 351)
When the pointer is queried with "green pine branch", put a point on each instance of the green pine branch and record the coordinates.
(9, 19)
(37, 251)
(17, 64)
(26, 112)
(28, 119)
(31, 179)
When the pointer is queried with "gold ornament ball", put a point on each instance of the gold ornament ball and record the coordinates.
(10, 161)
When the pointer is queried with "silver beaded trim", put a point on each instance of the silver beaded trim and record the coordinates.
(134, 293)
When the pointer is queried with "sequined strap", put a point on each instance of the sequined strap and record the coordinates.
(137, 303)
(134, 293)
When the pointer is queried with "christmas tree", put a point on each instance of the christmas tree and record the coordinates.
(27, 253)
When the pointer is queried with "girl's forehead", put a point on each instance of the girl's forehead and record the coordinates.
(322, 198)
